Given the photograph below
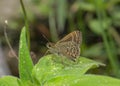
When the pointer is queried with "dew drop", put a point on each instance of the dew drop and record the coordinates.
(38, 69)
(81, 62)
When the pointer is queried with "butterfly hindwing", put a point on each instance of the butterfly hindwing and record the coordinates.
(68, 49)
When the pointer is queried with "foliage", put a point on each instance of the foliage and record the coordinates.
(97, 18)
(50, 70)
(101, 18)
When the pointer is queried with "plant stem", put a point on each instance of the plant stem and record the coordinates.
(26, 23)
(52, 26)
(113, 61)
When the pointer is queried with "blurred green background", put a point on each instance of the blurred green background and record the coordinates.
(98, 20)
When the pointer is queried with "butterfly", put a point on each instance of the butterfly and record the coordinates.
(68, 46)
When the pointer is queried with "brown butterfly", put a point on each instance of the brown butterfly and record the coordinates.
(69, 46)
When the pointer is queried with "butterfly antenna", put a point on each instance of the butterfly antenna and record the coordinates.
(7, 40)
(45, 37)
(48, 41)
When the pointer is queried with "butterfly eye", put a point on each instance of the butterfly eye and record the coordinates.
(50, 44)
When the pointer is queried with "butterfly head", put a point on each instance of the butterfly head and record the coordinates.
(50, 45)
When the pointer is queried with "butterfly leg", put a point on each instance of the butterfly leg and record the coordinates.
(46, 52)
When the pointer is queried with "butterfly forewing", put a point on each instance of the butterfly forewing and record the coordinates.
(75, 36)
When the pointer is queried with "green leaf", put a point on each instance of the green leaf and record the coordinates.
(95, 50)
(84, 80)
(61, 13)
(116, 17)
(48, 68)
(96, 25)
(25, 62)
(9, 81)
(87, 6)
